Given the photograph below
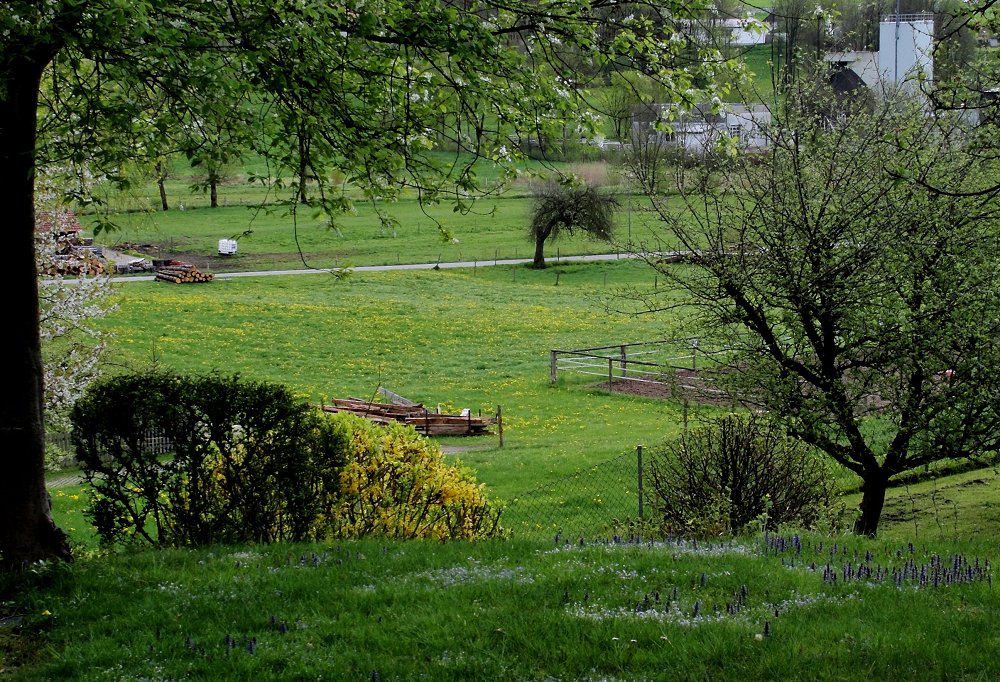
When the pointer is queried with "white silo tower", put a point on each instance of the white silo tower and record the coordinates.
(906, 44)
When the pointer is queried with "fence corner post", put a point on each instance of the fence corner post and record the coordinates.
(553, 366)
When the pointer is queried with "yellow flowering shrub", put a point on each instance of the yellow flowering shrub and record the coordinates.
(396, 483)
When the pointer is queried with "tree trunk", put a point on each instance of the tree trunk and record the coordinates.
(213, 192)
(27, 532)
(160, 176)
(163, 194)
(303, 166)
(539, 261)
(872, 501)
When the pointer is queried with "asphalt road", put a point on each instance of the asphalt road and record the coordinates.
(386, 268)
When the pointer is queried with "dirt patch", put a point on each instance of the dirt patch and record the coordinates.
(684, 384)
(207, 263)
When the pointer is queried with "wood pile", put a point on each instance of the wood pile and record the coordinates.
(416, 415)
(433, 424)
(182, 274)
(75, 263)
(382, 413)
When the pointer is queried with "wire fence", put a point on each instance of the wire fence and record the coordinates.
(599, 501)
(681, 366)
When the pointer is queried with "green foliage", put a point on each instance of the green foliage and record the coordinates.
(738, 471)
(248, 462)
(852, 272)
(395, 483)
(251, 462)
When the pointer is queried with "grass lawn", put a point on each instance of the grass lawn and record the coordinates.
(916, 604)
(275, 239)
(477, 338)
(790, 608)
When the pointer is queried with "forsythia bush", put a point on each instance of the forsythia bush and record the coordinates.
(396, 483)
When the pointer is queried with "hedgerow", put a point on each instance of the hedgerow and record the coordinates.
(249, 462)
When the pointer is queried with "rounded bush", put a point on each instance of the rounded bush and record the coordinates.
(177, 460)
(740, 470)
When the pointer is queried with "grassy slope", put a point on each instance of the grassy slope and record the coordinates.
(516, 611)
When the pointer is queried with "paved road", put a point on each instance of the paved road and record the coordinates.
(409, 266)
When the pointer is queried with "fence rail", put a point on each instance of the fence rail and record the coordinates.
(155, 442)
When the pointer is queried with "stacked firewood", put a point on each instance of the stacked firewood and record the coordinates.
(74, 263)
(182, 274)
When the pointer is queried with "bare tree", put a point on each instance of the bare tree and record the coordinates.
(861, 307)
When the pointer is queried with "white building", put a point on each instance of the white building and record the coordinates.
(700, 130)
(905, 54)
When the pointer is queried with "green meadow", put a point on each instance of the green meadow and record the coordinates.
(559, 599)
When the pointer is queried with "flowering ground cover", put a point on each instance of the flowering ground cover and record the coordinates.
(784, 606)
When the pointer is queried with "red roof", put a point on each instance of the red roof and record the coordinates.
(60, 221)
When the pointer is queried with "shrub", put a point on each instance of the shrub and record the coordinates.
(396, 483)
(722, 477)
(248, 463)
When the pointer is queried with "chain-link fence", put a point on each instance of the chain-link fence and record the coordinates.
(155, 441)
(595, 502)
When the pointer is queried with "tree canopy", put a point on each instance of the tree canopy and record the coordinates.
(558, 208)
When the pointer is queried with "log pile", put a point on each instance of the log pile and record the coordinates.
(74, 263)
(182, 274)
(415, 415)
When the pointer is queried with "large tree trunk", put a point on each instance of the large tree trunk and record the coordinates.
(27, 532)
(872, 501)
(539, 261)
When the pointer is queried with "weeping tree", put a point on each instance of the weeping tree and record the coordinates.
(562, 208)
(849, 272)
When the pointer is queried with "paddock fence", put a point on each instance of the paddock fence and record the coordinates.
(677, 367)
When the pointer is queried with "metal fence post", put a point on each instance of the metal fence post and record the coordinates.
(638, 461)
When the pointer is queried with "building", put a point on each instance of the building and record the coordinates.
(699, 130)
(904, 58)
